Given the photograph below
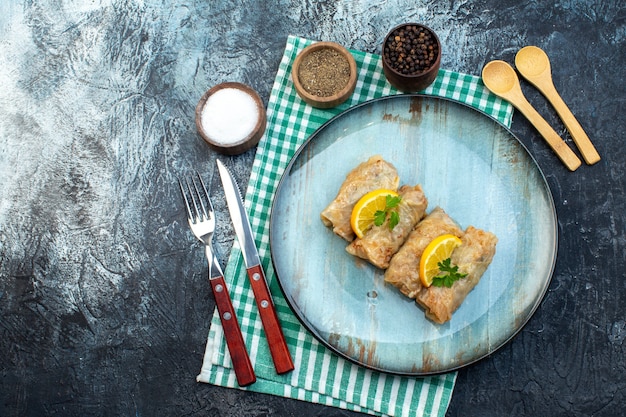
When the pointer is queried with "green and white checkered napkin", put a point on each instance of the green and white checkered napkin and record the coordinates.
(320, 376)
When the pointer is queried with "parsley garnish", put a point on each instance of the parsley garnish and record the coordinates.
(449, 274)
(391, 202)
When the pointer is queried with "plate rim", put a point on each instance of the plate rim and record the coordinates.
(337, 351)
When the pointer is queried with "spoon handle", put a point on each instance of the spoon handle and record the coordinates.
(582, 141)
(565, 154)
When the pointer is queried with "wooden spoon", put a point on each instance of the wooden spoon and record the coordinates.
(501, 79)
(534, 65)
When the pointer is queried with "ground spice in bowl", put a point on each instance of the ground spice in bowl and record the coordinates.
(324, 74)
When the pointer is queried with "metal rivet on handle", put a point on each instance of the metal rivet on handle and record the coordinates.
(264, 304)
(256, 276)
(219, 288)
(227, 316)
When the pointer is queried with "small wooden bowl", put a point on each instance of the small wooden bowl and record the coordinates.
(331, 100)
(249, 137)
(416, 81)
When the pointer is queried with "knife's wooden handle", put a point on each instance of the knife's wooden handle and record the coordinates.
(232, 332)
(269, 318)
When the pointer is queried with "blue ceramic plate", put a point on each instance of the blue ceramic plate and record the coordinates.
(468, 164)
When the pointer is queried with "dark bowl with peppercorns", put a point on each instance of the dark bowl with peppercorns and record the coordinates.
(411, 56)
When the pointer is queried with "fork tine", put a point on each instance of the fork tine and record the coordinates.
(203, 215)
(207, 198)
(195, 198)
(187, 206)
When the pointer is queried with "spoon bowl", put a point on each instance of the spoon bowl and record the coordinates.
(532, 62)
(534, 65)
(501, 79)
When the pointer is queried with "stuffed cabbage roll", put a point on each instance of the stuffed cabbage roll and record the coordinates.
(472, 257)
(403, 270)
(380, 243)
(370, 175)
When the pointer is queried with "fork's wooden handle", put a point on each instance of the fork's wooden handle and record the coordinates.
(269, 318)
(232, 332)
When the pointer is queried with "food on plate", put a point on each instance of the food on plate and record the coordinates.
(383, 239)
(373, 174)
(403, 270)
(373, 209)
(436, 259)
(472, 258)
(429, 259)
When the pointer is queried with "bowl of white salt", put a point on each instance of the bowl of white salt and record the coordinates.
(230, 117)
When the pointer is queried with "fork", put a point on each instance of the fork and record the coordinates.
(201, 219)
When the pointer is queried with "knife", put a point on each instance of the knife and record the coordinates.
(273, 331)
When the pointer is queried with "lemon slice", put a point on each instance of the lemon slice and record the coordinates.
(362, 217)
(439, 249)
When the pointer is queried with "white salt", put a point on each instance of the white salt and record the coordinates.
(229, 116)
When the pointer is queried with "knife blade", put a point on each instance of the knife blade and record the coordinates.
(267, 311)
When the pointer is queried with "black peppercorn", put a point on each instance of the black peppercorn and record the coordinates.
(411, 50)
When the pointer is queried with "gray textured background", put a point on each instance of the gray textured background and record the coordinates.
(104, 303)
